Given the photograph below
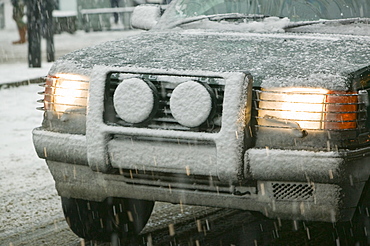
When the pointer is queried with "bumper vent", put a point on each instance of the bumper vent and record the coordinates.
(163, 118)
(292, 191)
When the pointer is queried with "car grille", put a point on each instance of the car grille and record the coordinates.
(163, 118)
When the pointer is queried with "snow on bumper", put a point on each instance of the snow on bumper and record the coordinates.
(66, 156)
(267, 164)
(259, 164)
(76, 181)
(54, 146)
(307, 166)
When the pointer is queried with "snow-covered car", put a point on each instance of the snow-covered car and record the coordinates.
(258, 105)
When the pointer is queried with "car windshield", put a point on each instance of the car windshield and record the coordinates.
(188, 11)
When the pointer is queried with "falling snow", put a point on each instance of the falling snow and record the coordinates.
(27, 189)
(27, 195)
(268, 57)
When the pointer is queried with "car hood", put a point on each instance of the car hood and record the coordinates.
(273, 59)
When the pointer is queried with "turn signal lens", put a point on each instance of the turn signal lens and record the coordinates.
(341, 110)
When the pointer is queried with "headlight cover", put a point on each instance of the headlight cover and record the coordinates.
(65, 93)
(191, 103)
(135, 100)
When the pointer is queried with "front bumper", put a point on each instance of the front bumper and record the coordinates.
(324, 186)
(76, 181)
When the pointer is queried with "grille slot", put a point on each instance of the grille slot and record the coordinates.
(292, 191)
(163, 118)
(175, 181)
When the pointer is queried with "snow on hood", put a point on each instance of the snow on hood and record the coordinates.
(273, 59)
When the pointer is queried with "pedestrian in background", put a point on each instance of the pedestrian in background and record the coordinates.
(18, 14)
(115, 4)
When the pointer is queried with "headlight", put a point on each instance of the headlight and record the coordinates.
(310, 108)
(65, 93)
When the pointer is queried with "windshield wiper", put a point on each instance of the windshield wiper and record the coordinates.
(219, 17)
(235, 16)
(340, 21)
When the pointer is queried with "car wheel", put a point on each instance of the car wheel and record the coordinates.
(107, 220)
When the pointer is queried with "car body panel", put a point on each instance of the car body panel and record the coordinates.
(322, 60)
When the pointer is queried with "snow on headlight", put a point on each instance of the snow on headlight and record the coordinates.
(191, 103)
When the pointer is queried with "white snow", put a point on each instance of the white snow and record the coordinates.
(275, 164)
(152, 14)
(27, 189)
(133, 100)
(336, 81)
(11, 72)
(13, 58)
(28, 197)
(270, 24)
(358, 29)
(190, 104)
(26, 185)
(70, 13)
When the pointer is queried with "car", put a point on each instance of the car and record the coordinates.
(252, 105)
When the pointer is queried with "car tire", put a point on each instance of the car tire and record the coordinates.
(111, 219)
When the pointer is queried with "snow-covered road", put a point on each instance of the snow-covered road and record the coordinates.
(27, 193)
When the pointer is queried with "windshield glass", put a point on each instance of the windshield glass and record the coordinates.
(295, 10)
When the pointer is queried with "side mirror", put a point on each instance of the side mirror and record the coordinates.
(145, 16)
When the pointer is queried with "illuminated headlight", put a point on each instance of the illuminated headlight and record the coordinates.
(66, 93)
(310, 108)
